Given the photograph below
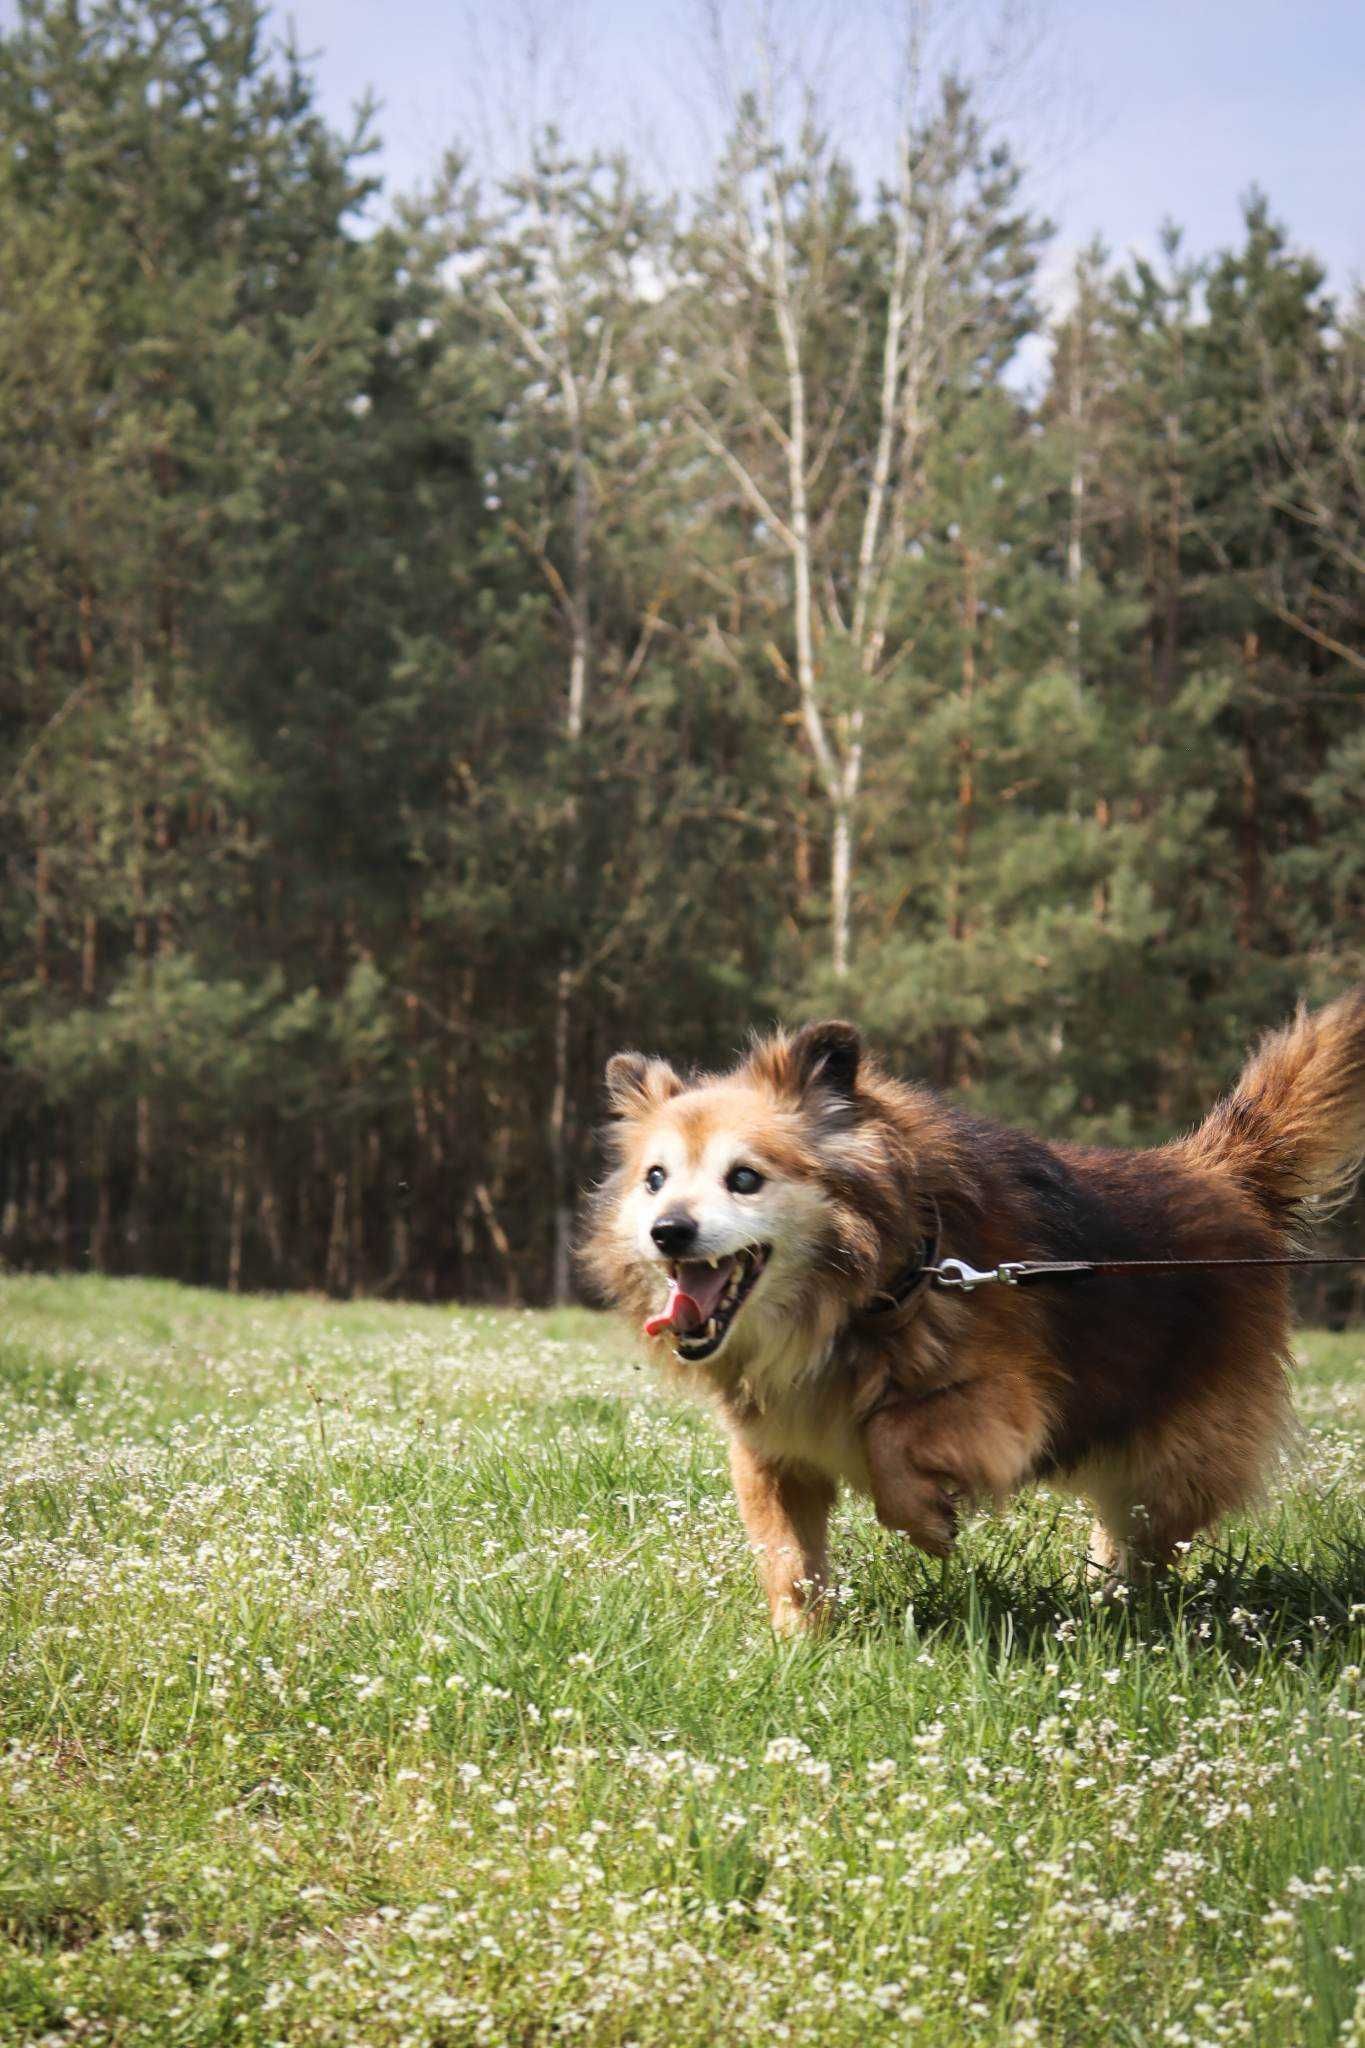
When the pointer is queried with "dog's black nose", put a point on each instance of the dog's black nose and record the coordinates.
(673, 1234)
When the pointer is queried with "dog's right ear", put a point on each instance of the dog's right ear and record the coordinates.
(636, 1085)
(819, 1062)
(826, 1056)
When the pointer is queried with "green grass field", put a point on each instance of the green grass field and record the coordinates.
(388, 1675)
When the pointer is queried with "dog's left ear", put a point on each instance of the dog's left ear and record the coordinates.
(826, 1056)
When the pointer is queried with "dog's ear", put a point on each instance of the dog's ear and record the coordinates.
(636, 1084)
(826, 1056)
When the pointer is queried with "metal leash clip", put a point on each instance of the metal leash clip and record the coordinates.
(957, 1273)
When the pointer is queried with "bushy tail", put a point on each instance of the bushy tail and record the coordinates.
(1293, 1129)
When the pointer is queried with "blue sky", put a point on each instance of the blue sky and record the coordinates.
(1141, 110)
(1164, 107)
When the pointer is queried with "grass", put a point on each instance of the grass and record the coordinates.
(383, 1676)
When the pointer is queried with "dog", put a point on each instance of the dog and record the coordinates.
(770, 1227)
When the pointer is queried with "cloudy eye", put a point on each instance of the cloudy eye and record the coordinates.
(744, 1180)
(655, 1179)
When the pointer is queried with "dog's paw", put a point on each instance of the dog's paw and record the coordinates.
(936, 1531)
(807, 1610)
(923, 1506)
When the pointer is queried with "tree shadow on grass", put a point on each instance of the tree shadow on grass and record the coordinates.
(1241, 1600)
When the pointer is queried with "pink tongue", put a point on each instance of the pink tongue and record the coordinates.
(692, 1296)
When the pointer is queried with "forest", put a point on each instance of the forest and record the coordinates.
(441, 647)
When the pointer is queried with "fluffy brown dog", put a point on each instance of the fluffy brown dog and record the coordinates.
(755, 1219)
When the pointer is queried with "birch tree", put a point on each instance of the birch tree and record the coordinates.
(825, 341)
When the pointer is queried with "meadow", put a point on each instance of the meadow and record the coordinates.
(385, 1675)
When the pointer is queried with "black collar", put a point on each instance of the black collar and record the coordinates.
(892, 1306)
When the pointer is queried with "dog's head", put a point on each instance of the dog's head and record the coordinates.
(742, 1200)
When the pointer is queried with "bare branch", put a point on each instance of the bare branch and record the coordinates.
(649, 627)
(1277, 607)
(40, 740)
(530, 342)
(544, 564)
(710, 438)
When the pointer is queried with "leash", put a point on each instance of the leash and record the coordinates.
(892, 1307)
(956, 1273)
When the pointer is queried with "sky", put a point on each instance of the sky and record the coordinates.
(1138, 111)
(1134, 110)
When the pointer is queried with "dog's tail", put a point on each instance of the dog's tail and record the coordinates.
(1293, 1129)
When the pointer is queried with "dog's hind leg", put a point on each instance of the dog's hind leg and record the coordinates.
(786, 1516)
(1182, 1476)
(1129, 1543)
(1149, 1508)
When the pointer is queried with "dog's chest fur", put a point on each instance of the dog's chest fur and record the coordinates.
(791, 1404)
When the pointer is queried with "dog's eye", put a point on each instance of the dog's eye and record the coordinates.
(655, 1179)
(744, 1180)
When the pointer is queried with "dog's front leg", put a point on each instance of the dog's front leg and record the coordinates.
(929, 1453)
(918, 1502)
(786, 1516)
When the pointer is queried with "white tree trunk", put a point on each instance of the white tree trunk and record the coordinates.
(1075, 544)
(841, 889)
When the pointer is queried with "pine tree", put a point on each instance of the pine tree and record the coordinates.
(222, 324)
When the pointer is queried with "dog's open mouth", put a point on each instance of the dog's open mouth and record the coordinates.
(704, 1297)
